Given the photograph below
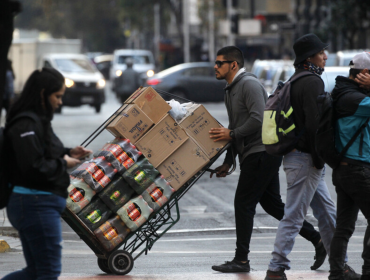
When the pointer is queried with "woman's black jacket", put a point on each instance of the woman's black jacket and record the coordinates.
(35, 156)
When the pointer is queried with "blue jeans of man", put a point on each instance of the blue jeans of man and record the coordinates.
(306, 187)
(37, 219)
(259, 183)
(352, 184)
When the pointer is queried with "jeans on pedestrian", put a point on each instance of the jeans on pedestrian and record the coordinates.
(306, 187)
(352, 184)
(259, 183)
(37, 219)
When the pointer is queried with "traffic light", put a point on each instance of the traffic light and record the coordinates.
(235, 24)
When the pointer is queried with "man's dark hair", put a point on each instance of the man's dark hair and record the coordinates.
(232, 53)
(353, 72)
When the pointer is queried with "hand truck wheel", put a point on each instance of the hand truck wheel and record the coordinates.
(103, 265)
(120, 262)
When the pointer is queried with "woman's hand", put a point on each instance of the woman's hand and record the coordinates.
(71, 162)
(80, 152)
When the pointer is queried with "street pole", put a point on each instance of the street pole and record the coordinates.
(229, 11)
(157, 32)
(211, 22)
(185, 23)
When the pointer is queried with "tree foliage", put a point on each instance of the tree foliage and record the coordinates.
(96, 22)
(350, 19)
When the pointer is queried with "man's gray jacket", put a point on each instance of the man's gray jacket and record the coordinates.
(245, 100)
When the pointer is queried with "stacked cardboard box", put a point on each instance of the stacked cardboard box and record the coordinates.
(165, 156)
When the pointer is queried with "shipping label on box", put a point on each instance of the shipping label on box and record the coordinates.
(162, 140)
(150, 102)
(183, 164)
(131, 123)
(197, 125)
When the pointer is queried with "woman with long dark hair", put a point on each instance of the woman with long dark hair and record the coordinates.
(37, 170)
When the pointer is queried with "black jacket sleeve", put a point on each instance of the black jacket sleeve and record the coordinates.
(29, 165)
(311, 120)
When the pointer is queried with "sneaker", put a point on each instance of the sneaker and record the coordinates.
(233, 266)
(276, 275)
(320, 255)
(350, 274)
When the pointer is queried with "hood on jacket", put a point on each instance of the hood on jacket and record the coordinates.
(237, 79)
(343, 86)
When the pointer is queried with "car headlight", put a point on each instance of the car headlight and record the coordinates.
(100, 83)
(69, 83)
(118, 73)
(150, 73)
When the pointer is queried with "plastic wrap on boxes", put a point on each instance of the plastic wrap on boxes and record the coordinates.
(116, 194)
(112, 233)
(97, 173)
(95, 214)
(158, 193)
(120, 153)
(135, 213)
(80, 195)
(141, 175)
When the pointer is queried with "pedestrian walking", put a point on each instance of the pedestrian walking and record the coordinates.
(128, 82)
(37, 165)
(352, 177)
(303, 167)
(245, 100)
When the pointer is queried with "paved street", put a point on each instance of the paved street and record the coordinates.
(204, 235)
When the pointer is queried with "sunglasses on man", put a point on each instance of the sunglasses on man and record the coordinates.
(219, 63)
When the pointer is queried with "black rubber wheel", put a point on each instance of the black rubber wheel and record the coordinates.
(103, 265)
(120, 262)
(98, 108)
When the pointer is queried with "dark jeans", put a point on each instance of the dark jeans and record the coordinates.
(352, 184)
(37, 219)
(259, 183)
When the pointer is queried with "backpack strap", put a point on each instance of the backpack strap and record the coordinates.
(349, 144)
(300, 75)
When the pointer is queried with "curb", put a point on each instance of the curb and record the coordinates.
(9, 231)
(4, 246)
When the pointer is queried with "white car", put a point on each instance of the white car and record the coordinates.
(143, 63)
(84, 83)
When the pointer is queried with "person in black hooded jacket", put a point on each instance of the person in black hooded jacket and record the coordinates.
(352, 177)
(37, 170)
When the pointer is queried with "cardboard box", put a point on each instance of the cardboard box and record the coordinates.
(197, 125)
(162, 140)
(131, 123)
(150, 102)
(183, 164)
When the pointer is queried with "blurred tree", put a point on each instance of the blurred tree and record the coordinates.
(96, 22)
(138, 14)
(349, 20)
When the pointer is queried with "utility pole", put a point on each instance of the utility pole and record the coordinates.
(185, 23)
(211, 35)
(230, 12)
(157, 32)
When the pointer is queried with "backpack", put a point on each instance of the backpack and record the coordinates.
(325, 135)
(278, 129)
(5, 188)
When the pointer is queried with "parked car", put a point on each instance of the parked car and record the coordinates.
(84, 83)
(345, 57)
(143, 63)
(195, 81)
(331, 73)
